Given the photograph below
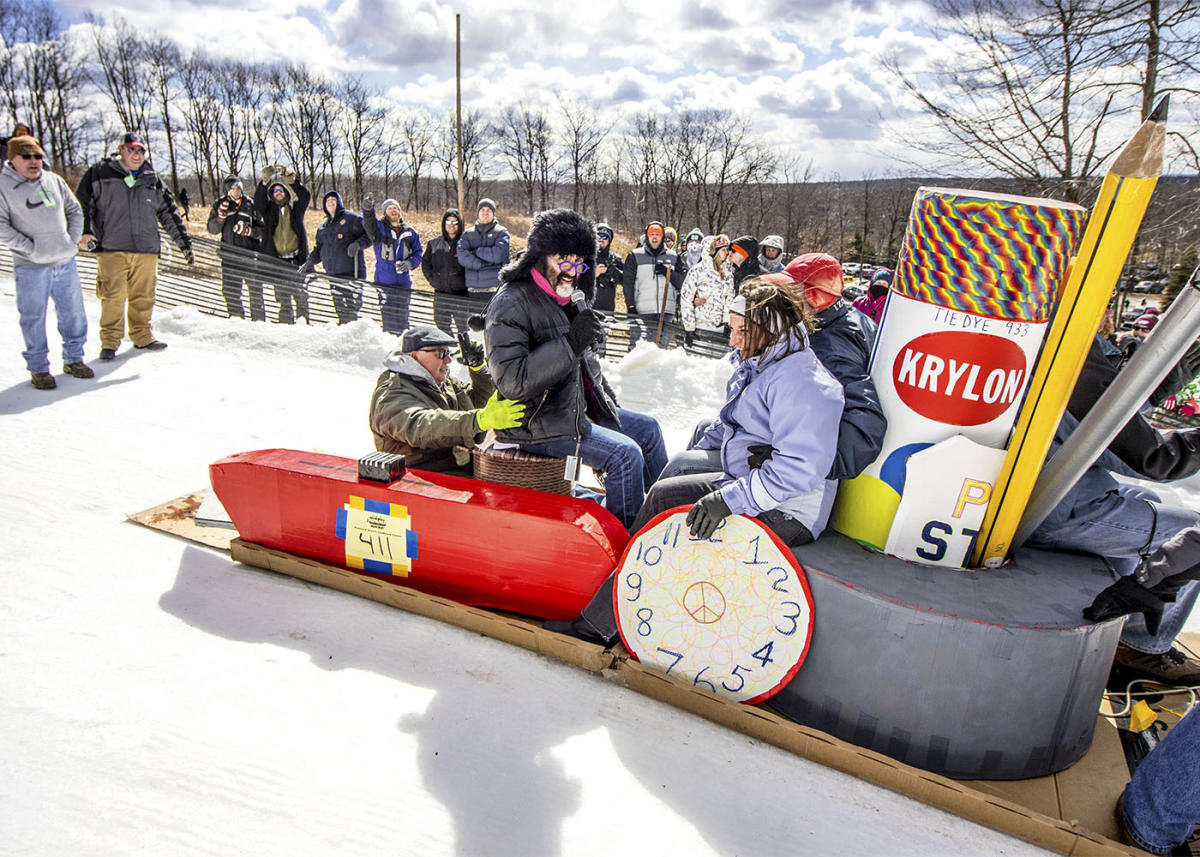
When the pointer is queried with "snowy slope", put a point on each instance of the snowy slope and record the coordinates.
(157, 699)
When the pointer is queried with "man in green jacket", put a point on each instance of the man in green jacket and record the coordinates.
(419, 411)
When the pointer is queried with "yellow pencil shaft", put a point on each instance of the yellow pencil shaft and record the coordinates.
(1114, 223)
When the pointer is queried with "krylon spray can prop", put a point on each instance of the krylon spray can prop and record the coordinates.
(976, 282)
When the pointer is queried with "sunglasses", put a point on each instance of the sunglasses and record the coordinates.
(33, 157)
(572, 268)
(442, 353)
(135, 150)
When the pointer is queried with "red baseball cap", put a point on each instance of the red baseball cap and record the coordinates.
(812, 270)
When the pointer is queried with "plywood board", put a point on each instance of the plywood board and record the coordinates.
(178, 517)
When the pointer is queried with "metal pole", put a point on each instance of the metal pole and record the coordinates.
(1151, 362)
(458, 109)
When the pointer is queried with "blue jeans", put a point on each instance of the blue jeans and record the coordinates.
(1162, 802)
(1122, 526)
(393, 307)
(36, 285)
(630, 458)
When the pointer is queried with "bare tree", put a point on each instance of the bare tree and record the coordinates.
(525, 142)
(301, 115)
(362, 127)
(121, 60)
(163, 60)
(582, 138)
(418, 131)
(202, 118)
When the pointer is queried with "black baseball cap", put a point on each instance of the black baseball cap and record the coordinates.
(425, 336)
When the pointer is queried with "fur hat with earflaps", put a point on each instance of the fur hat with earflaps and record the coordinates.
(561, 232)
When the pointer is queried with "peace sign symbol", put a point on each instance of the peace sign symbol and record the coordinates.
(704, 602)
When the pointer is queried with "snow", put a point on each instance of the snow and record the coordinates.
(156, 698)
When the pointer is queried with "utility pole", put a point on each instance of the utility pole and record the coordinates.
(458, 105)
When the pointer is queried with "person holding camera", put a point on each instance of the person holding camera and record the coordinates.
(281, 200)
(233, 218)
(397, 251)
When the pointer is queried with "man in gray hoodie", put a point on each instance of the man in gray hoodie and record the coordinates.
(41, 221)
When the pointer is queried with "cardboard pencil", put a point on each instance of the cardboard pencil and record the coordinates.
(1113, 224)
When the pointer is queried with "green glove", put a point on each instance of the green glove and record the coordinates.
(497, 414)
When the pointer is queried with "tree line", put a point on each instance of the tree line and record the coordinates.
(206, 117)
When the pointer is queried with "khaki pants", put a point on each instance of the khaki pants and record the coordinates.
(125, 278)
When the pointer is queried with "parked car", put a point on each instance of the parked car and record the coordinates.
(1148, 287)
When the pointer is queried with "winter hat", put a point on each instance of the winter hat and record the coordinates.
(738, 305)
(881, 281)
(719, 241)
(232, 182)
(22, 129)
(655, 227)
(670, 236)
(389, 201)
(603, 230)
(425, 336)
(558, 231)
(694, 235)
(23, 145)
(818, 273)
(486, 203)
(133, 137)
(746, 245)
(775, 241)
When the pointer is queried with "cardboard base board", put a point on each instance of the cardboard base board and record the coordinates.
(1069, 813)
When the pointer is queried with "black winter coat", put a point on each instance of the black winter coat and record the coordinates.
(606, 283)
(125, 217)
(299, 199)
(238, 215)
(843, 340)
(440, 262)
(1161, 456)
(336, 238)
(530, 360)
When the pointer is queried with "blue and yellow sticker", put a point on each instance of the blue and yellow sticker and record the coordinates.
(378, 536)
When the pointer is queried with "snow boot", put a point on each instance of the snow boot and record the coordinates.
(42, 380)
(79, 369)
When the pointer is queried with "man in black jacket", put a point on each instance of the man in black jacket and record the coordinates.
(339, 247)
(608, 270)
(233, 218)
(539, 337)
(1122, 522)
(123, 205)
(449, 280)
(281, 200)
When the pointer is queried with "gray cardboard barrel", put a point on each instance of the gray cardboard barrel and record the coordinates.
(977, 674)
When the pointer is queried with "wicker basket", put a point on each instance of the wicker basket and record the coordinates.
(523, 469)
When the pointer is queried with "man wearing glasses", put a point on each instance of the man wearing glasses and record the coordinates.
(123, 202)
(40, 221)
(540, 337)
(431, 419)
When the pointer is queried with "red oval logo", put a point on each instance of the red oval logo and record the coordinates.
(960, 378)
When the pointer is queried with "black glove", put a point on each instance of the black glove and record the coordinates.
(586, 328)
(470, 353)
(352, 250)
(660, 269)
(760, 454)
(689, 338)
(369, 202)
(707, 514)
(1127, 596)
(476, 322)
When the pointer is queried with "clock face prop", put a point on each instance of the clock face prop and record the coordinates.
(731, 614)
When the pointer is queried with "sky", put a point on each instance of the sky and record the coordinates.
(808, 74)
